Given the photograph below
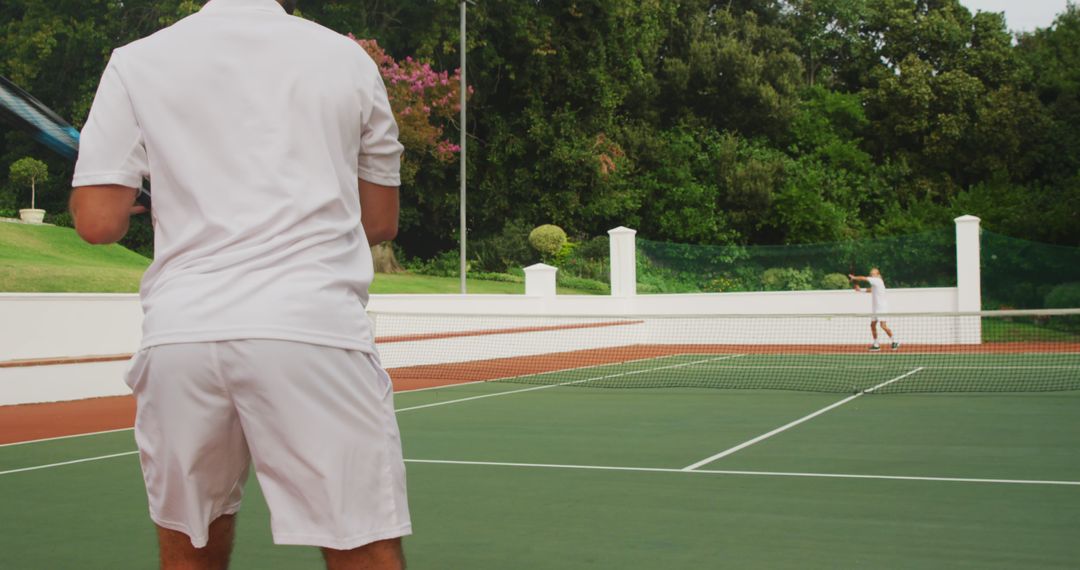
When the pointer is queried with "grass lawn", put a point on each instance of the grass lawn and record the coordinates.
(50, 259)
(1020, 329)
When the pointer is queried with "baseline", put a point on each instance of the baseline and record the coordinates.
(746, 473)
(1049, 482)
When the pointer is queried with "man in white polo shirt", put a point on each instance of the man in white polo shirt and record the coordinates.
(879, 305)
(274, 158)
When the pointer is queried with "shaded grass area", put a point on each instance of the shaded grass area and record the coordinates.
(1025, 329)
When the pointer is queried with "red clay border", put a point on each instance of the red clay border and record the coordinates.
(63, 360)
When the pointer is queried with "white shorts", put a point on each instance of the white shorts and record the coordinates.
(317, 421)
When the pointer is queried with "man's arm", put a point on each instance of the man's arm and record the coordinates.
(102, 213)
(379, 206)
(855, 279)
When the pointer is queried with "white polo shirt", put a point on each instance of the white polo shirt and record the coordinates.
(879, 302)
(254, 127)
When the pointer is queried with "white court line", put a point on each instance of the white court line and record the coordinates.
(655, 470)
(747, 473)
(44, 439)
(788, 426)
(72, 462)
(571, 383)
(506, 378)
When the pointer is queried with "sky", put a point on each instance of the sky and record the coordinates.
(1020, 15)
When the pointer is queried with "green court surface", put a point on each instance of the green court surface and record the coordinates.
(552, 471)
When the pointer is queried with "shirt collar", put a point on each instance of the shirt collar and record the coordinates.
(256, 5)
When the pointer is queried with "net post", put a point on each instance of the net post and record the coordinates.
(623, 262)
(540, 280)
(968, 279)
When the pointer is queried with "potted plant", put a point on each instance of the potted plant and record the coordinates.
(30, 171)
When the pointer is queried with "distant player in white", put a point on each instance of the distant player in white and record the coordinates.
(880, 303)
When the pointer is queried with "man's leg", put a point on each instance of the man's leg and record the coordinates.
(193, 452)
(873, 330)
(177, 553)
(321, 428)
(885, 327)
(381, 555)
(892, 339)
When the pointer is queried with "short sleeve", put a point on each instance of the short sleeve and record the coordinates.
(111, 146)
(380, 152)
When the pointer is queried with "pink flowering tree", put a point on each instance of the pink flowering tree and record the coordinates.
(424, 102)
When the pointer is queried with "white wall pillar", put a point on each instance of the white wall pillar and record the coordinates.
(623, 262)
(968, 268)
(540, 280)
(968, 279)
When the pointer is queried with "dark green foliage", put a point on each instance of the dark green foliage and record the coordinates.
(1064, 296)
(700, 121)
(915, 260)
(835, 281)
(506, 250)
(1021, 274)
(445, 264)
(787, 279)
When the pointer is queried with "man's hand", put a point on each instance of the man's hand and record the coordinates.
(102, 213)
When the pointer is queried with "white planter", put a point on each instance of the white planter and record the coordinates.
(32, 216)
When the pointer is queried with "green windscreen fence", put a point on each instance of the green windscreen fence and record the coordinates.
(926, 259)
(1023, 274)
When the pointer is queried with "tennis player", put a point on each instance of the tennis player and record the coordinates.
(879, 302)
(274, 159)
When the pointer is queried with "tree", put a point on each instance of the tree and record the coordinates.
(424, 101)
(30, 171)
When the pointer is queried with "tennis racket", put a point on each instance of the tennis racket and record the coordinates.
(22, 111)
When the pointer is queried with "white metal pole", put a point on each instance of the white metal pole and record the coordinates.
(464, 91)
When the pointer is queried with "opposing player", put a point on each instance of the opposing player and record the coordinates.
(274, 158)
(879, 304)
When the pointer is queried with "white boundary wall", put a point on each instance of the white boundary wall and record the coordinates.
(36, 326)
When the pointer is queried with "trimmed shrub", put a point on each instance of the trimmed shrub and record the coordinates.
(835, 281)
(62, 219)
(445, 264)
(548, 240)
(787, 279)
(1064, 296)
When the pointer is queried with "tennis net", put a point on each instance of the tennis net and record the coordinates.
(989, 351)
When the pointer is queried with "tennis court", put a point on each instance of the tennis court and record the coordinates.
(689, 459)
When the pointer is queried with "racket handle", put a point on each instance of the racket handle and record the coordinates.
(143, 199)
